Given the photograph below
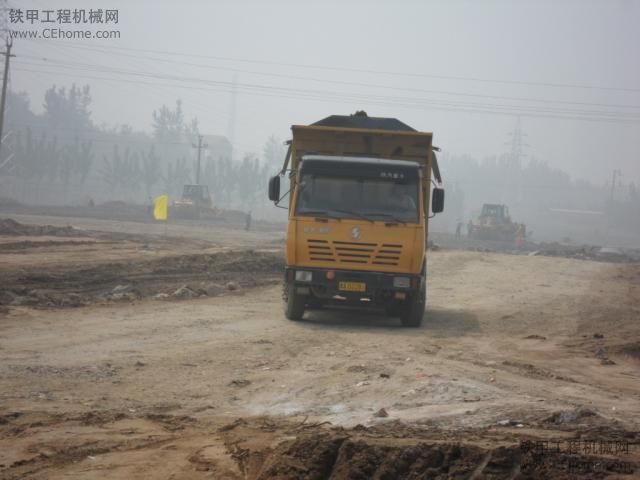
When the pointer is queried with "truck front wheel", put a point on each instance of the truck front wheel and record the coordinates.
(413, 313)
(294, 307)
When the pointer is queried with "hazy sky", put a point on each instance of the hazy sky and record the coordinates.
(462, 69)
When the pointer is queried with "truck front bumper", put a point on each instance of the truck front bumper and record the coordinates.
(353, 287)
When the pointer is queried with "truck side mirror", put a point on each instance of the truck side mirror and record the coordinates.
(274, 188)
(437, 200)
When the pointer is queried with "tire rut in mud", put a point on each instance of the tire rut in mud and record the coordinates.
(71, 287)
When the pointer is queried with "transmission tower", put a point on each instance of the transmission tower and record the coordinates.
(517, 146)
(516, 155)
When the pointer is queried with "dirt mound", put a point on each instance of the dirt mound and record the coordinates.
(9, 226)
(571, 416)
(329, 456)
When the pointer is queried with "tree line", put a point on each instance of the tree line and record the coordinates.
(62, 156)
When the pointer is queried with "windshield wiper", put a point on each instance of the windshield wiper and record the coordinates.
(391, 216)
(351, 212)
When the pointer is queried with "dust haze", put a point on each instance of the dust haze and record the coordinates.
(167, 310)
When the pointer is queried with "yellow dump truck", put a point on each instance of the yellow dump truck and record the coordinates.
(359, 199)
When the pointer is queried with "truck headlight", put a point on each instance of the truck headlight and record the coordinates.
(302, 276)
(401, 282)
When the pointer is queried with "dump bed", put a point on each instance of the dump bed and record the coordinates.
(361, 142)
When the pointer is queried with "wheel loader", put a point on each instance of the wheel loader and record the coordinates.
(494, 223)
(194, 203)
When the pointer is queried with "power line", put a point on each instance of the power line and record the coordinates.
(358, 102)
(376, 99)
(457, 106)
(343, 82)
(367, 71)
(102, 69)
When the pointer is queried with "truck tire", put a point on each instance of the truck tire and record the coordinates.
(413, 312)
(294, 306)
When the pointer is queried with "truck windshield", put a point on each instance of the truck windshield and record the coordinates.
(344, 197)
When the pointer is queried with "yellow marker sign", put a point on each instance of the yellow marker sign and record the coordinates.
(161, 204)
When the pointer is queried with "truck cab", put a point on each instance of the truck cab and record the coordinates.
(195, 195)
(493, 213)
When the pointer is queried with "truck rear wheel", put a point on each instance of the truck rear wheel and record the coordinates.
(294, 307)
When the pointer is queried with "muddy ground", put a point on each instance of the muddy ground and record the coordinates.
(130, 352)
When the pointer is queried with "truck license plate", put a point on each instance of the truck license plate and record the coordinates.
(352, 286)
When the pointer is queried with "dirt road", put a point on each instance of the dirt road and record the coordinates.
(514, 349)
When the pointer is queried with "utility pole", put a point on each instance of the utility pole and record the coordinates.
(199, 146)
(231, 130)
(5, 80)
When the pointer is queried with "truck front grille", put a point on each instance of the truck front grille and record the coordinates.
(354, 252)
(320, 250)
